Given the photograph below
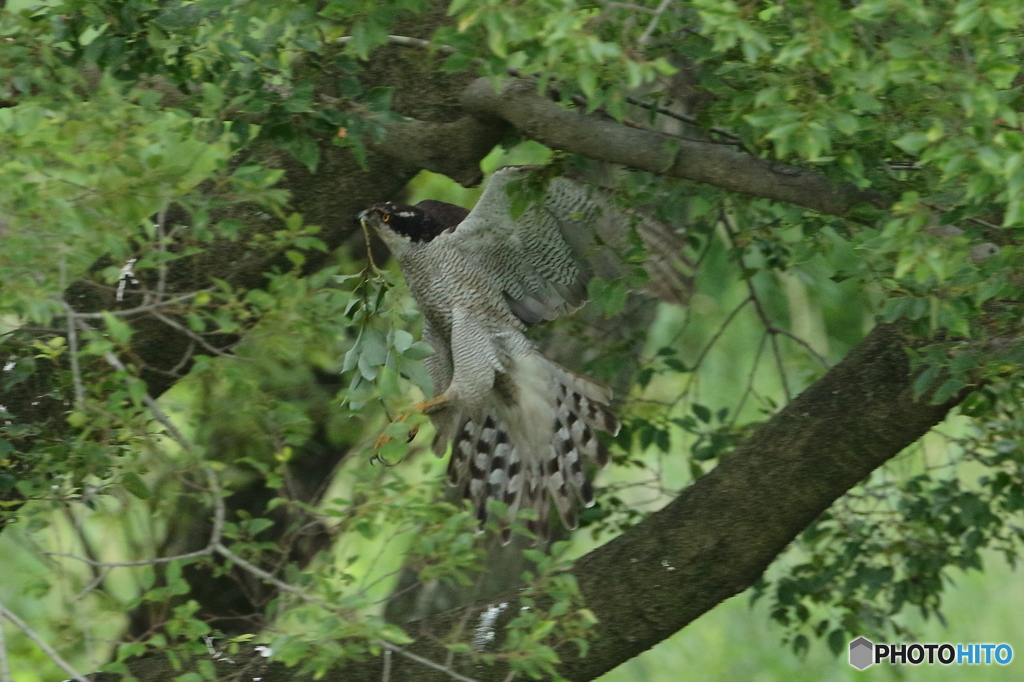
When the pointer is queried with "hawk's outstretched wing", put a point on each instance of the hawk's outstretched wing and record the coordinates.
(540, 259)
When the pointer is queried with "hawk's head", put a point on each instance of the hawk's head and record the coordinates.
(410, 222)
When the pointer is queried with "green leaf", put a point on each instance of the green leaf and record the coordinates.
(418, 374)
(90, 34)
(846, 123)
(133, 483)
(836, 641)
(924, 380)
(676, 365)
(258, 525)
(912, 143)
(130, 649)
(402, 340)
(418, 351)
(395, 635)
(180, 17)
(609, 295)
(305, 150)
(117, 328)
(948, 389)
(366, 35)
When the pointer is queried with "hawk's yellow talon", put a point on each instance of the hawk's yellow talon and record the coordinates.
(424, 406)
(431, 405)
(384, 438)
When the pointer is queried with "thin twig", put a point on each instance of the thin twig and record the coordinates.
(101, 575)
(385, 675)
(158, 413)
(76, 372)
(187, 332)
(5, 669)
(143, 308)
(75, 521)
(369, 249)
(215, 538)
(173, 371)
(773, 332)
(219, 513)
(685, 118)
(721, 330)
(206, 551)
(581, 101)
(406, 41)
(807, 346)
(976, 221)
(47, 649)
(161, 282)
(649, 31)
(187, 446)
(426, 661)
(750, 380)
(708, 346)
(219, 548)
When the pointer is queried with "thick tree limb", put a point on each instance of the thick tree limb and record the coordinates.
(719, 165)
(453, 149)
(719, 535)
(722, 533)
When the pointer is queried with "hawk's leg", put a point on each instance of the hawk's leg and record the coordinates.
(432, 405)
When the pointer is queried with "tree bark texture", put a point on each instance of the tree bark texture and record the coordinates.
(715, 164)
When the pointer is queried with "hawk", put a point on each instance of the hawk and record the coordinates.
(522, 427)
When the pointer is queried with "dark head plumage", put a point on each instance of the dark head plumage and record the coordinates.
(420, 223)
(449, 215)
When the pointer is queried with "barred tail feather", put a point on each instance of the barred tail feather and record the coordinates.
(531, 454)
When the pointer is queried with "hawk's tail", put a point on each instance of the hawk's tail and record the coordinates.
(532, 453)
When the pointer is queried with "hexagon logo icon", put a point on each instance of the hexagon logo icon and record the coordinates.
(861, 653)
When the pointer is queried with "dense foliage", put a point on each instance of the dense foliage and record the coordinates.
(148, 156)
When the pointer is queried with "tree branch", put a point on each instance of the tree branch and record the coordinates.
(544, 121)
(453, 149)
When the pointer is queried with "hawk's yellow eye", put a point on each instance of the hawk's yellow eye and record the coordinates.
(386, 217)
